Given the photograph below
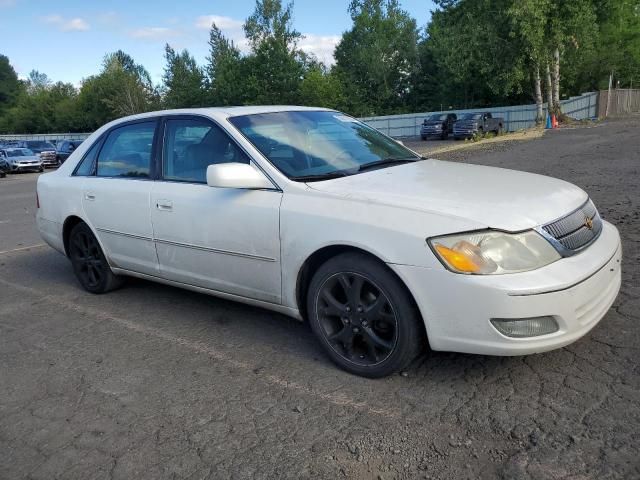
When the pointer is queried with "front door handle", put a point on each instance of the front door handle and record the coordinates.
(164, 205)
(89, 196)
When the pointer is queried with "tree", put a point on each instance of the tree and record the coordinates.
(10, 86)
(38, 81)
(224, 70)
(121, 88)
(320, 87)
(571, 30)
(275, 67)
(183, 80)
(377, 58)
(472, 42)
(529, 21)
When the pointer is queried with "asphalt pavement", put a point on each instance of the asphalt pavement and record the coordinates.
(151, 381)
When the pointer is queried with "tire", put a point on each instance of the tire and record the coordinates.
(424, 137)
(41, 169)
(89, 263)
(363, 316)
(444, 136)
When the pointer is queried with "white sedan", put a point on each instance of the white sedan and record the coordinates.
(312, 213)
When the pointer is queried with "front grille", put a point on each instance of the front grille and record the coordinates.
(578, 229)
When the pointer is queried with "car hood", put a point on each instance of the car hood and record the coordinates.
(492, 197)
(30, 158)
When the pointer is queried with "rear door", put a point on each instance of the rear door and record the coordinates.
(115, 197)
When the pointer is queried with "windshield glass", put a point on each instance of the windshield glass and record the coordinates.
(317, 143)
(471, 116)
(40, 145)
(20, 152)
(437, 117)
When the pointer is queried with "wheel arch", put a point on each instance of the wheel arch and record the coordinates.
(67, 226)
(322, 255)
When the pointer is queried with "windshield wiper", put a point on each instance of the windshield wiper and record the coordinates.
(384, 161)
(320, 176)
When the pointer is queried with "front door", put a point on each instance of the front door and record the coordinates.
(223, 239)
(116, 197)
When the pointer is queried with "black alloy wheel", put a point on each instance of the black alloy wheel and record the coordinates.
(89, 263)
(364, 316)
(357, 318)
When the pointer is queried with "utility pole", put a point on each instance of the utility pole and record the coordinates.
(606, 112)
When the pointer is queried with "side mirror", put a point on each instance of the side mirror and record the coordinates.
(236, 175)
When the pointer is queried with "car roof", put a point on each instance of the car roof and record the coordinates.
(224, 112)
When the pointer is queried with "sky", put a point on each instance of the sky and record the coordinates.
(67, 39)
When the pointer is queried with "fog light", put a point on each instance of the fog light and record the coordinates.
(525, 327)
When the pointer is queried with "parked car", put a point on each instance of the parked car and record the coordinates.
(64, 148)
(46, 150)
(4, 166)
(471, 124)
(438, 125)
(313, 214)
(22, 159)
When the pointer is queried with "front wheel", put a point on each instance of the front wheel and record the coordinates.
(363, 316)
(41, 169)
(89, 263)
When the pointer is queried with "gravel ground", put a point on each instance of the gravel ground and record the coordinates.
(155, 382)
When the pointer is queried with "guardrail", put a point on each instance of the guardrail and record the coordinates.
(48, 137)
(515, 117)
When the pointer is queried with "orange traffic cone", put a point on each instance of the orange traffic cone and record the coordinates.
(554, 121)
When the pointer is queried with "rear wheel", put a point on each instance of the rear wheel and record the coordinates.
(89, 263)
(363, 316)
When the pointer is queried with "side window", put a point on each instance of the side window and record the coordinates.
(127, 151)
(85, 167)
(191, 145)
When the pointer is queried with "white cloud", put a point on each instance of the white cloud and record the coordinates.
(322, 46)
(66, 24)
(108, 18)
(154, 33)
(223, 23)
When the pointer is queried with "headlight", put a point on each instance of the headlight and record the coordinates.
(489, 252)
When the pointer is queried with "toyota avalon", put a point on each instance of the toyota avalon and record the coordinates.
(312, 213)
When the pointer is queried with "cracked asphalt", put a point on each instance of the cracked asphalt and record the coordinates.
(155, 382)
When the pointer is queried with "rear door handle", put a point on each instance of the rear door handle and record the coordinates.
(164, 205)
(89, 196)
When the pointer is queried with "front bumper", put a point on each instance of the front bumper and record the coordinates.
(431, 131)
(577, 291)
(21, 167)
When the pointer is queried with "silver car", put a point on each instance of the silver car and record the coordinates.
(22, 159)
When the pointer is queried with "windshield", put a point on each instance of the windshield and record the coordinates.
(40, 145)
(437, 117)
(305, 144)
(471, 116)
(20, 152)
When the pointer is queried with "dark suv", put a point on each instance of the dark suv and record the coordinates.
(438, 125)
(45, 149)
(64, 148)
